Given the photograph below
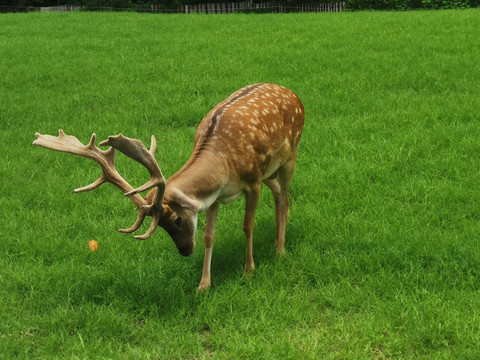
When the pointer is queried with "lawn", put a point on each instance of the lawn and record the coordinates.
(382, 254)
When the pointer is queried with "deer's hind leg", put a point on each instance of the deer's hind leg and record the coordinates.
(279, 187)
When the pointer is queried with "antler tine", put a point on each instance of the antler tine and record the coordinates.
(152, 228)
(153, 145)
(109, 156)
(142, 213)
(92, 186)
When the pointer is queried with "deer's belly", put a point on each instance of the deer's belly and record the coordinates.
(231, 191)
(229, 198)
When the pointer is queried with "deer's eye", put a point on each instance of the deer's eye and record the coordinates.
(178, 221)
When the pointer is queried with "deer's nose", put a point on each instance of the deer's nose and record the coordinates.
(185, 251)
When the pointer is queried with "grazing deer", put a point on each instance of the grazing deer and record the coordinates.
(249, 138)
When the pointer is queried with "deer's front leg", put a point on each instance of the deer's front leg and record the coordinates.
(208, 239)
(251, 201)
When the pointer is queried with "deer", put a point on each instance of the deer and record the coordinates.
(248, 139)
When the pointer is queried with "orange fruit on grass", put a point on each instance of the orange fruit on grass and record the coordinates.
(93, 245)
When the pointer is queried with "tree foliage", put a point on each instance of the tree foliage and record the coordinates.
(410, 4)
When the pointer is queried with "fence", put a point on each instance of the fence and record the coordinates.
(61, 8)
(204, 8)
(246, 6)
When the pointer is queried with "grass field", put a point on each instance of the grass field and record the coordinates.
(382, 253)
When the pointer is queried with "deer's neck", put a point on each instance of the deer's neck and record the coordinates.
(201, 178)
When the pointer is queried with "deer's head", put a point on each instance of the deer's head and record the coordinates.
(179, 219)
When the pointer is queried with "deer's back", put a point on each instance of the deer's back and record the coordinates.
(255, 129)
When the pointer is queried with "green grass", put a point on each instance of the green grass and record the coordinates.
(382, 254)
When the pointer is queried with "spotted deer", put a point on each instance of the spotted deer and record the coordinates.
(248, 139)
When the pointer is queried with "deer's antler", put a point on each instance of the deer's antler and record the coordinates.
(136, 150)
(106, 159)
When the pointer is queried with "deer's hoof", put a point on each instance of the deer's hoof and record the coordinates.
(203, 287)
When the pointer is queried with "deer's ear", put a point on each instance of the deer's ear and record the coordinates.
(184, 201)
(150, 196)
(166, 210)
